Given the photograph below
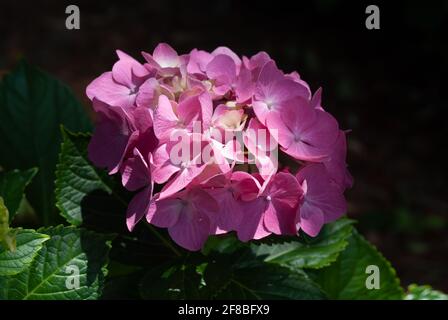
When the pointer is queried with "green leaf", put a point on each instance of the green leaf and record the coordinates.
(28, 243)
(223, 243)
(76, 177)
(416, 292)
(7, 236)
(243, 276)
(347, 277)
(179, 281)
(308, 252)
(12, 187)
(53, 273)
(32, 107)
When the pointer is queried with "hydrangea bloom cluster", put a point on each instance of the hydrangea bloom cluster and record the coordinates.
(213, 143)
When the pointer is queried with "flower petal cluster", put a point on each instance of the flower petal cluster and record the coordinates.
(212, 143)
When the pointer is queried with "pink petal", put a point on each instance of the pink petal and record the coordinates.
(182, 179)
(282, 193)
(245, 185)
(189, 110)
(226, 51)
(166, 56)
(322, 192)
(164, 213)
(198, 61)
(147, 93)
(206, 109)
(122, 73)
(279, 219)
(336, 163)
(135, 173)
(191, 229)
(311, 219)
(230, 212)
(251, 225)
(137, 68)
(222, 68)
(244, 86)
(269, 74)
(105, 89)
(112, 139)
(165, 120)
(138, 207)
(162, 167)
(316, 101)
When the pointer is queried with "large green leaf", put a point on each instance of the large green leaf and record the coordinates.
(28, 243)
(32, 107)
(243, 276)
(416, 292)
(346, 278)
(52, 274)
(76, 177)
(308, 252)
(12, 187)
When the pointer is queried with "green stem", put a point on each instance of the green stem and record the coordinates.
(165, 241)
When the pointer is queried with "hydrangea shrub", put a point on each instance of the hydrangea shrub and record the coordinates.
(207, 176)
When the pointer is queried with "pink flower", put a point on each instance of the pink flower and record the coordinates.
(197, 64)
(120, 87)
(227, 76)
(169, 116)
(114, 137)
(272, 89)
(323, 200)
(188, 215)
(178, 164)
(163, 60)
(219, 136)
(273, 211)
(135, 176)
(336, 165)
(263, 147)
(229, 190)
(304, 132)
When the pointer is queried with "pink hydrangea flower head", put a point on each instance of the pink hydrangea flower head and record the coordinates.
(219, 137)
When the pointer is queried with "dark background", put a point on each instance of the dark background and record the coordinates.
(385, 85)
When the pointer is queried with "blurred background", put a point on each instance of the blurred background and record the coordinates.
(384, 85)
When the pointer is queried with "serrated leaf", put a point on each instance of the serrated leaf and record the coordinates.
(52, 274)
(243, 276)
(28, 244)
(76, 177)
(32, 107)
(7, 236)
(12, 187)
(346, 278)
(313, 253)
(416, 292)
